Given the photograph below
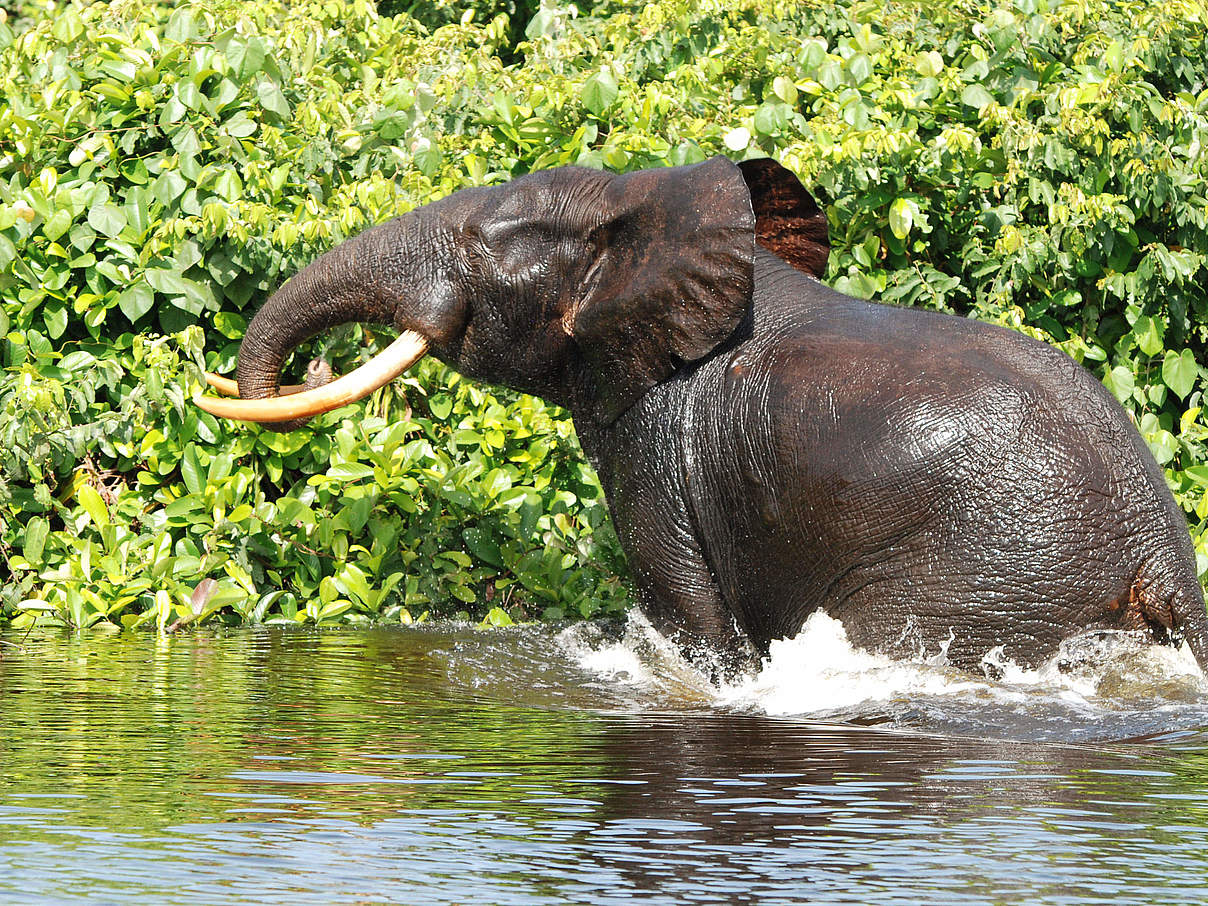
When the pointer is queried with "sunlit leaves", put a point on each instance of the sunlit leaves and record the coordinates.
(272, 99)
(107, 219)
(136, 301)
(784, 89)
(599, 92)
(37, 530)
(1121, 383)
(929, 63)
(738, 139)
(901, 216)
(93, 505)
(1179, 371)
(976, 95)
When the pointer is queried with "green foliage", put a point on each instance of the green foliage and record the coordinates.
(163, 167)
(171, 167)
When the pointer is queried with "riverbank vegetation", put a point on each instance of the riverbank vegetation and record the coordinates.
(163, 166)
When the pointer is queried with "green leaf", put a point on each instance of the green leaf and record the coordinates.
(976, 95)
(191, 469)
(55, 318)
(269, 94)
(482, 546)
(246, 58)
(36, 532)
(228, 186)
(859, 68)
(496, 617)
(181, 25)
(771, 118)
(440, 405)
(230, 325)
(812, 54)
(427, 157)
(351, 471)
(1163, 445)
(1179, 371)
(136, 301)
(1120, 382)
(107, 219)
(168, 282)
(169, 186)
(784, 89)
(68, 26)
(240, 126)
(599, 92)
(1148, 335)
(354, 583)
(929, 64)
(457, 557)
(93, 505)
(901, 216)
(57, 224)
(182, 507)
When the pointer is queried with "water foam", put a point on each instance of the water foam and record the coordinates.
(818, 673)
(641, 659)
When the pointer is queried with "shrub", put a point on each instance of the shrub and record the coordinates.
(163, 167)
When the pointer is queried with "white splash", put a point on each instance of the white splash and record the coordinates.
(818, 672)
(640, 658)
(614, 662)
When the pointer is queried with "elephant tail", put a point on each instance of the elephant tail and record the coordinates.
(1190, 619)
(1173, 606)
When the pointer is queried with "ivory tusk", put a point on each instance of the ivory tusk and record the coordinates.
(227, 387)
(396, 358)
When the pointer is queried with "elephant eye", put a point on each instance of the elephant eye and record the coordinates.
(592, 275)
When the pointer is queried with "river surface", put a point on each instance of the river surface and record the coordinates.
(587, 766)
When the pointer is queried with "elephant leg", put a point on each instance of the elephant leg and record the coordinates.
(645, 481)
(677, 590)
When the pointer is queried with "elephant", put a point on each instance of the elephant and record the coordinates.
(767, 445)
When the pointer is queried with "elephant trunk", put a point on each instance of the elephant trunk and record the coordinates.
(343, 285)
(362, 279)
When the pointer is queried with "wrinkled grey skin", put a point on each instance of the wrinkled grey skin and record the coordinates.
(929, 481)
(767, 445)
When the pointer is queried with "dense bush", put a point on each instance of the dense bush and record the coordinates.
(163, 167)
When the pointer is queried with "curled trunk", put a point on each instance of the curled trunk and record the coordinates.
(348, 283)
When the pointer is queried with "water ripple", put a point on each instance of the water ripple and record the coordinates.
(445, 765)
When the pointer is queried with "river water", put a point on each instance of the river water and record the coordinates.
(586, 766)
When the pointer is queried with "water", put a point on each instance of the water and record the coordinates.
(446, 765)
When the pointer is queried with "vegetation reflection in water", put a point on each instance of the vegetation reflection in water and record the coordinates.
(447, 765)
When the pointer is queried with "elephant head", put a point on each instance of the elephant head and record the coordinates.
(582, 287)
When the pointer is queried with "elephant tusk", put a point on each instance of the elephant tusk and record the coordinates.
(383, 368)
(227, 387)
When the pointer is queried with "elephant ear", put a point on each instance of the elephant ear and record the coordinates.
(672, 277)
(788, 222)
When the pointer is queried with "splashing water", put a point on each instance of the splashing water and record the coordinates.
(819, 672)
(1098, 685)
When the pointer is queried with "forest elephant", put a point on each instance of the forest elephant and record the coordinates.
(767, 445)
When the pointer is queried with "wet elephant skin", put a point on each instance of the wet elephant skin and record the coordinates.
(931, 481)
